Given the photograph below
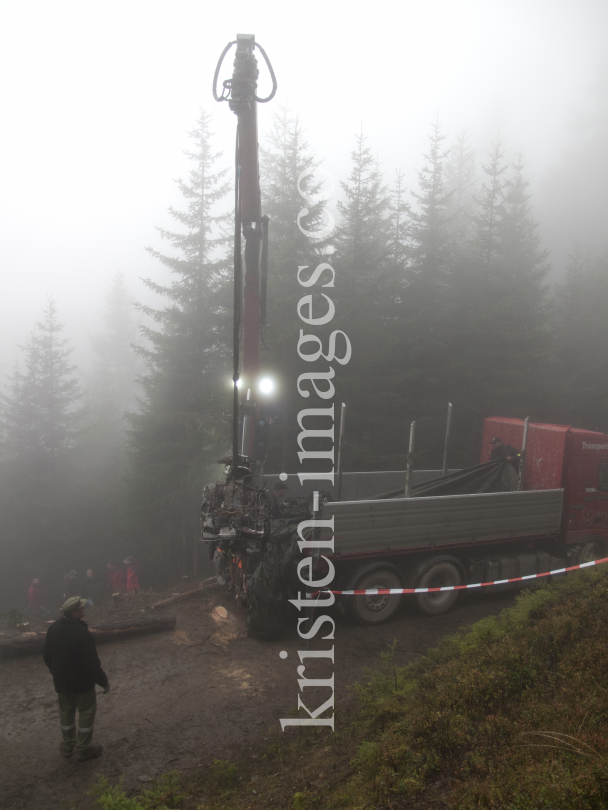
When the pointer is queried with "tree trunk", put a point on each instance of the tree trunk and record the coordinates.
(177, 598)
(12, 643)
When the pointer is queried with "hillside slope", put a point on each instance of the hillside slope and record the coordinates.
(510, 713)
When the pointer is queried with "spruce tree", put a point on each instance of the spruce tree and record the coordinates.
(112, 385)
(421, 335)
(478, 314)
(285, 163)
(40, 418)
(40, 414)
(116, 364)
(399, 250)
(500, 321)
(579, 334)
(489, 211)
(430, 227)
(366, 253)
(595, 414)
(570, 324)
(110, 390)
(460, 183)
(176, 437)
(19, 420)
(522, 265)
(477, 365)
(362, 238)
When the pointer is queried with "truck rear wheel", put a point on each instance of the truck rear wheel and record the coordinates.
(438, 575)
(375, 609)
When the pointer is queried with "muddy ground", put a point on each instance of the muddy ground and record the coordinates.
(179, 699)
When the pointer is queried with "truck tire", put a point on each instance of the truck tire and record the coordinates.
(591, 549)
(375, 609)
(438, 575)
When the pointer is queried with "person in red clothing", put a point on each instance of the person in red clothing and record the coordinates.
(117, 582)
(34, 599)
(132, 581)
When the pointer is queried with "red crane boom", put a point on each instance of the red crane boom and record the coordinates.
(240, 92)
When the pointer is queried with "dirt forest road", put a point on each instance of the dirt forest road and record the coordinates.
(179, 699)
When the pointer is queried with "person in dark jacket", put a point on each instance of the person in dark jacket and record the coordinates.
(71, 656)
(503, 451)
(510, 477)
(90, 588)
(278, 493)
(70, 584)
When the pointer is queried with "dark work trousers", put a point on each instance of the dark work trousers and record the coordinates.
(86, 703)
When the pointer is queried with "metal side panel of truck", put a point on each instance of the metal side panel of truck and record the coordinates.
(404, 525)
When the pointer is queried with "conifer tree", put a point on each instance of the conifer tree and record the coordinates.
(399, 239)
(570, 338)
(430, 227)
(19, 420)
(500, 321)
(362, 238)
(58, 387)
(460, 183)
(521, 254)
(477, 367)
(112, 385)
(579, 334)
(40, 416)
(110, 390)
(174, 438)
(116, 365)
(366, 253)
(595, 414)
(522, 265)
(489, 208)
(285, 164)
(421, 335)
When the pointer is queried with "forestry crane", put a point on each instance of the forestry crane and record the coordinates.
(235, 515)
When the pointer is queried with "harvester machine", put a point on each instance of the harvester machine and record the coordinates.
(235, 515)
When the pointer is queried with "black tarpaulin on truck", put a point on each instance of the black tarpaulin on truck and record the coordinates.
(493, 476)
(275, 580)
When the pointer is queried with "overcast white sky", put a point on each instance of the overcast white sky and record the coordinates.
(97, 98)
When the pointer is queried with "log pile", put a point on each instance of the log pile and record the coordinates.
(13, 643)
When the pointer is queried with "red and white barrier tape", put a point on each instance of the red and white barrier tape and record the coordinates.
(396, 591)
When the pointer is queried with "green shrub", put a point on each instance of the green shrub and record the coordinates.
(222, 774)
(509, 713)
(165, 794)
(300, 801)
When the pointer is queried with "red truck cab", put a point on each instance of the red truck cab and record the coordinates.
(562, 457)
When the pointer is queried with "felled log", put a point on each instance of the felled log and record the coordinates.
(176, 598)
(137, 626)
(12, 643)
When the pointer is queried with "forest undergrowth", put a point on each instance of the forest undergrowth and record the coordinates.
(509, 713)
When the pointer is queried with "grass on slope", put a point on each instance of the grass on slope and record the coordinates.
(511, 713)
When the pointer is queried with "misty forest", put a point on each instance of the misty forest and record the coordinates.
(442, 289)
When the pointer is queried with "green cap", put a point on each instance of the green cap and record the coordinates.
(73, 604)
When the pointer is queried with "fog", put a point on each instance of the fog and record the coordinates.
(97, 101)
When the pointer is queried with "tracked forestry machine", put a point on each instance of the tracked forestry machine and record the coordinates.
(235, 516)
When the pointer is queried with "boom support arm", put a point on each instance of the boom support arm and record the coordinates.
(240, 91)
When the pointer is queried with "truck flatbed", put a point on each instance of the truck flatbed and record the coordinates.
(401, 525)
